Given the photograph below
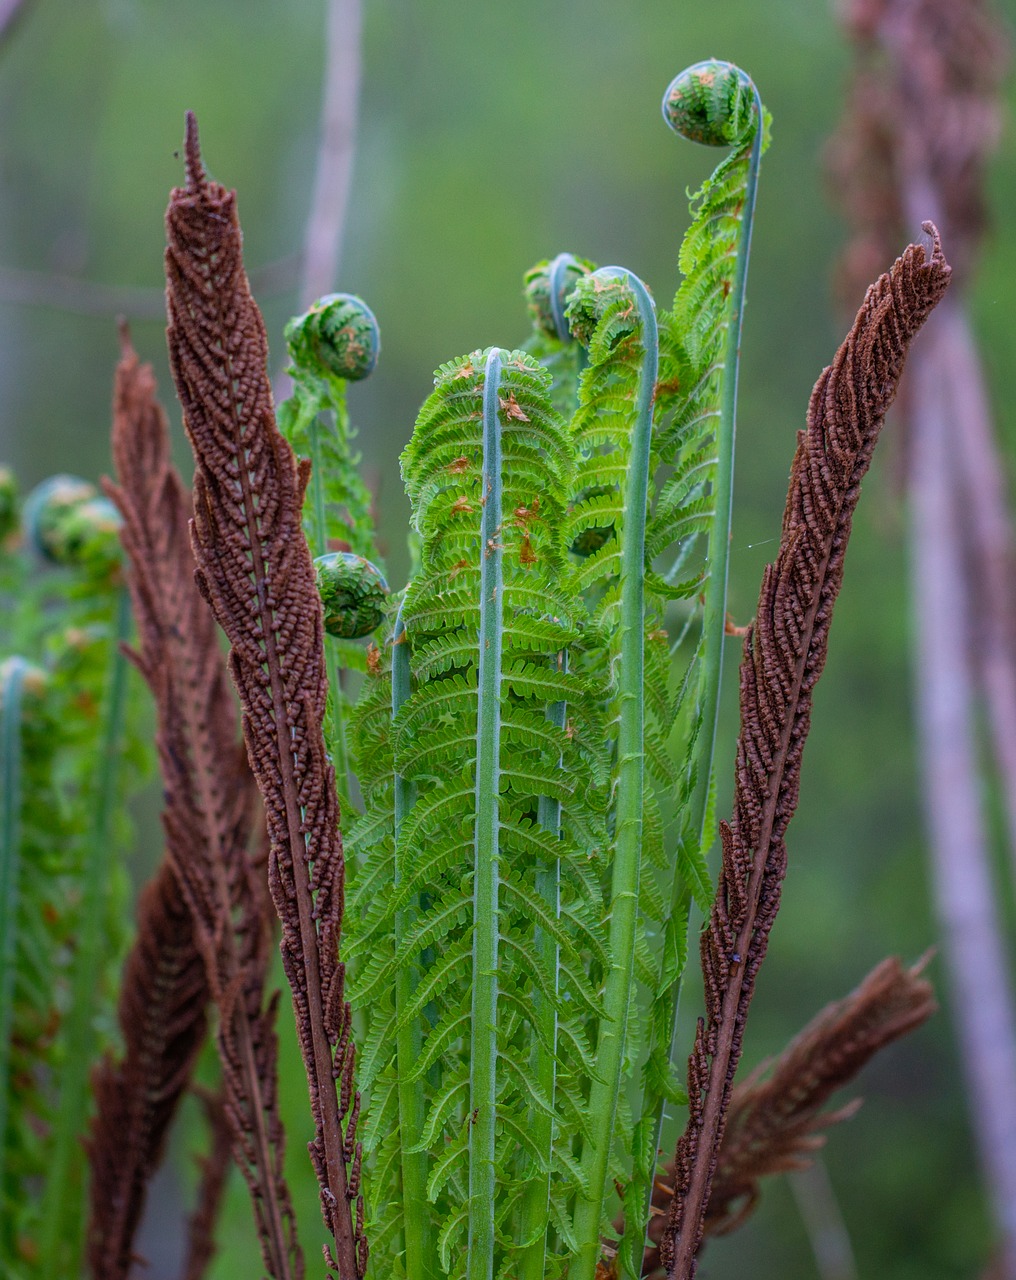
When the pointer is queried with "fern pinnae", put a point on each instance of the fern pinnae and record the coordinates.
(534, 1222)
(629, 785)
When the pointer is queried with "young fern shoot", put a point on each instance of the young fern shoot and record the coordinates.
(515, 800)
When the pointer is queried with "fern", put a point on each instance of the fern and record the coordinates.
(531, 841)
(717, 104)
(482, 766)
(68, 755)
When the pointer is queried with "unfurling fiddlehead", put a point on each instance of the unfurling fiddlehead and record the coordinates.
(69, 523)
(339, 335)
(548, 288)
(353, 594)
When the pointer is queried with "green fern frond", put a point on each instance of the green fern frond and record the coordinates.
(485, 621)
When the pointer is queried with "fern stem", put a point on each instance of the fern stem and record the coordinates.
(419, 1257)
(536, 1205)
(10, 873)
(610, 1043)
(715, 611)
(714, 631)
(483, 1035)
(335, 729)
(62, 1208)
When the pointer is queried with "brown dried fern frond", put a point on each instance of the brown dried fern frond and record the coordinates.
(208, 795)
(776, 1116)
(775, 1123)
(162, 1018)
(784, 654)
(255, 570)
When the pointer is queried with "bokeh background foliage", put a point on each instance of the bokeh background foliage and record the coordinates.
(492, 136)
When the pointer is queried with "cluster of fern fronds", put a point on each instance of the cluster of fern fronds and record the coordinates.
(485, 975)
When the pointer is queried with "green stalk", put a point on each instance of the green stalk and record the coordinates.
(715, 610)
(10, 873)
(606, 1085)
(335, 728)
(714, 629)
(536, 1205)
(419, 1257)
(483, 1035)
(62, 1206)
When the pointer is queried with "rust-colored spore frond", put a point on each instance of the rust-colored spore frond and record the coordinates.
(162, 1019)
(775, 1123)
(776, 1116)
(784, 654)
(209, 794)
(255, 570)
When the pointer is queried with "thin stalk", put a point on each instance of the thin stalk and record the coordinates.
(10, 871)
(536, 1204)
(714, 614)
(613, 1024)
(335, 728)
(714, 617)
(419, 1257)
(483, 1035)
(62, 1208)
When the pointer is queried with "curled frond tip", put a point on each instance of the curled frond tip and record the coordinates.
(712, 102)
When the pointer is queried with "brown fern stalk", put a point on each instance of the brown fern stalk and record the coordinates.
(208, 794)
(255, 570)
(162, 1019)
(784, 653)
(775, 1124)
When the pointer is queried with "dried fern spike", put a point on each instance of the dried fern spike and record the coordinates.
(784, 654)
(162, 1019)
(207, 815)
(255, 570)
(353, 592)
(776, 1123)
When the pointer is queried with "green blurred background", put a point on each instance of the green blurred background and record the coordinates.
(492, 136)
